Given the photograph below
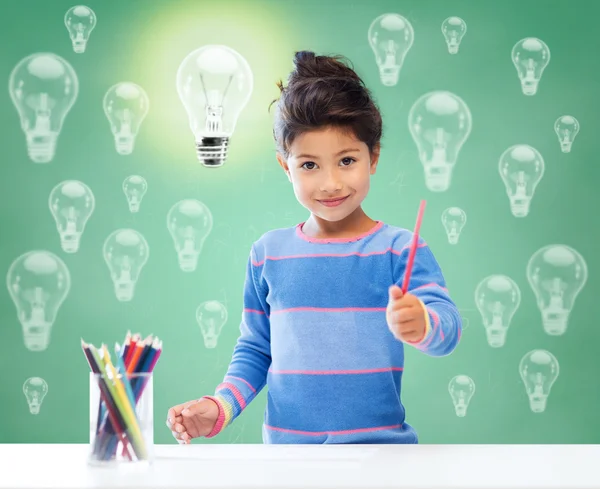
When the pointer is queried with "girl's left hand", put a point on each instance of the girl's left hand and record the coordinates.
(405, 316)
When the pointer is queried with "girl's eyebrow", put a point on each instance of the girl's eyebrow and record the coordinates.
(347, 150)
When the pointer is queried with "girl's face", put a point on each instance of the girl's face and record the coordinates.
(328, 164)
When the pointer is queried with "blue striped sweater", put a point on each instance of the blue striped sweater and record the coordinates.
(314, 332)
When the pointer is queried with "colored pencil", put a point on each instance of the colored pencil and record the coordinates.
(413, 248)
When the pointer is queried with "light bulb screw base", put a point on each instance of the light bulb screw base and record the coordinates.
(212, 151)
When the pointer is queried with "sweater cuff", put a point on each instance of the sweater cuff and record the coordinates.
(220, 420)
(427, 327)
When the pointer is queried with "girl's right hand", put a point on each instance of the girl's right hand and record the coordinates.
(192, 419)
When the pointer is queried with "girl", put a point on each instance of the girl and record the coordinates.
(325, 322)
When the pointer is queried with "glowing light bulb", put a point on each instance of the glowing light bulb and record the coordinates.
(556, 273)
(80, 22)
(35, 389)
(539, 370)
(126, 106)
(43, 88)
(497, 297)
(454, 29)
(439, 123)
(211, 317)
(135, 187)
(214, 83)
(454, 220)
(521, 168)
(190, 222)
(38, 283)
(566, 128)
(390, 36)
(126, 253)
(530, 57)
(71, 203)
(461, 390)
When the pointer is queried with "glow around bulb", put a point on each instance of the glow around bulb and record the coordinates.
(211, 317)
(566, 128)
(126, 106)
(556, 273)
(126, 253)
(134, 187)
(454, 220)
(80, 22)
(530, 57)
(390, 36)
(214, 83)
(539, 370)
(190, 222)
(439, 122)
(497, 297)
(461, 390)
(38, 283)
(71, 203)
(35, 390)
(454, 29)
(521, 168)
(43, 88)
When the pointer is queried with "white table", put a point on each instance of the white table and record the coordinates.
(244, 466)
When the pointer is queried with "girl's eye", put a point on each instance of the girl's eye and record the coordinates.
(351, 160)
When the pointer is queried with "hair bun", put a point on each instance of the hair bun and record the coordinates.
(309, 65)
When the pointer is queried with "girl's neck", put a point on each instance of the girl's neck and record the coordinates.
(353, 225)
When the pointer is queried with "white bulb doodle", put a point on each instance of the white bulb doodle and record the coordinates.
(390, 36)
(439, 122)
(454, 29)
(126, 253)
(521, 168)
(80, 22)
(497, 297)
(71, 203)
(211, 317)
(556, 273)
(214, 83)
(134, 187)
(539, 370)
(454, 220)
(35, 389)
(566, 128)
(126, 106)
(530, 57)
(38, 283)
(189, 222)
(461, 389)
(43, 88)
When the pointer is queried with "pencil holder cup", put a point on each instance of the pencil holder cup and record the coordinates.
(121, 418)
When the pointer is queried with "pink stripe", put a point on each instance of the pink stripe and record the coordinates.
(254, 311)
(344, 432)
(338, 372)
(241, 380)
(237, 394)
(436, 323)
(432, 284)
(331, 309)
(220, 419)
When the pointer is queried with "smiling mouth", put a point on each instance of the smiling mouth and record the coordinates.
(334, 200)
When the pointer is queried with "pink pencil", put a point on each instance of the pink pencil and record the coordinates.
(413, 248)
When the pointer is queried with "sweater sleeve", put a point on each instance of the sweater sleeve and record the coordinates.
(427, 283)
(247, 371)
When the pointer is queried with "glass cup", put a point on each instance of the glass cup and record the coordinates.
(121, 418)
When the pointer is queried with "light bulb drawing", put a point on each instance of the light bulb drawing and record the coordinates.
(461, 389)
(211, 317)
(454, 29)
(126, 105)
(38, 283)
(530, 57)
(439, 122)
(539, 370)
(134, 187)
(566, 128)
(126, 253)
(521, 168)
(43, 88)
(80, 22)
(189, 222)
(35, 390)
(454, 220)
(497, 297)
(556, 273)
(71, 203)
(391, 37)
(214, 83)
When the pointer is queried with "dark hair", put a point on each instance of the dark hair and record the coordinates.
(323, 92)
